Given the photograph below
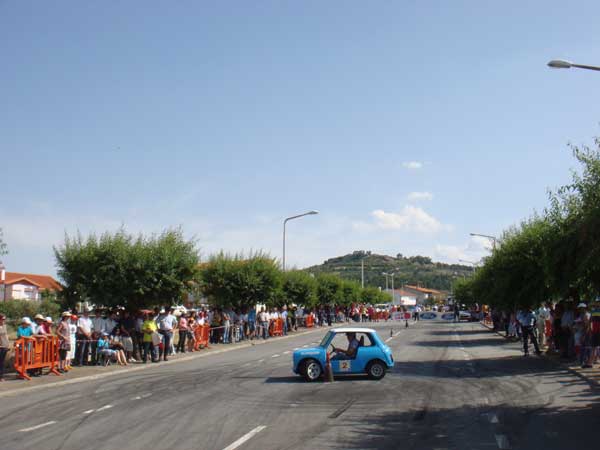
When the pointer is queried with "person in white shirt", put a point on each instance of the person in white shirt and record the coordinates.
(263, 321)
(111, 323)
(99, 323)
(167, 323)
(84, 336)
(284, 316)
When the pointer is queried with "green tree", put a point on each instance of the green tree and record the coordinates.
(118, 269)
(300, 288)
(329, 289)
(350, 292)
(239, 282)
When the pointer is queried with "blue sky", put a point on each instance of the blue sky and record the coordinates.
(407, 124)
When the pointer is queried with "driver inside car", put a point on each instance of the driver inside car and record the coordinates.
(353, 345)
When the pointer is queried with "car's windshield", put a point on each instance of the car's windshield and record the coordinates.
(325, 339)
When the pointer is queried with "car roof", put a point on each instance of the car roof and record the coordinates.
(353, 330)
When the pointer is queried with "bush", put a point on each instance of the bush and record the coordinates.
(14, 310)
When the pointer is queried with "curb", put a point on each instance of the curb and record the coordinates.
(19, 390)
(593, 383)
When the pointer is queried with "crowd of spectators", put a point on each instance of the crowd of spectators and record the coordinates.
(566, 328)
(106, 336)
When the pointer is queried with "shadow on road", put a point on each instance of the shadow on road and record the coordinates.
(522, 427)
(299, 379)
(461, 332)
(464, 343)
(476, 368)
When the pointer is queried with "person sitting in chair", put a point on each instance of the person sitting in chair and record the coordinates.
(353, 345)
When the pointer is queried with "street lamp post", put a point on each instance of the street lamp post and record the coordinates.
(386, 279)
(392, 275)
(473, 264)
(492, 238)
(309, 213)
(562, 64)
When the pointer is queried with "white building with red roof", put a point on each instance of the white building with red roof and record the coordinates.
(26, 286)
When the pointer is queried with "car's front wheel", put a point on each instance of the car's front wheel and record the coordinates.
(311, 370)
(376, 370)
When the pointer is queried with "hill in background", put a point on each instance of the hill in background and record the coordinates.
(414, 270)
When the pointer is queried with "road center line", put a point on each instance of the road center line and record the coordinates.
(42, 425)
(245, 437)
(105, 407)
(89, 411)
(502, 442)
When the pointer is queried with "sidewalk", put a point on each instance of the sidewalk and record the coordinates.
(592, 376)
(14, 385)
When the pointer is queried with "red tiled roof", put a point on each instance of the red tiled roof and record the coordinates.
(41, 281)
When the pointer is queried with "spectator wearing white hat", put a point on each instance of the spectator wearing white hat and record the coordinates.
(38, 320)
(25, 329)
(64, 341)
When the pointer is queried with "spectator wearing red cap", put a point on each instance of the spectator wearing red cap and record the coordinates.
(4, 345)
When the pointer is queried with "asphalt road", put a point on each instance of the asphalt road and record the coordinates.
(454, 386)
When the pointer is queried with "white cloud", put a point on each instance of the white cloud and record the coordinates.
(412, 165)
(473, 250)
(417, 196)
(410, 218)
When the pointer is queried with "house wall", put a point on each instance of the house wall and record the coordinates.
(22, 292)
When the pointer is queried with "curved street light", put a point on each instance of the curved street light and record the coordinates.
(562, 64)
(309, 213)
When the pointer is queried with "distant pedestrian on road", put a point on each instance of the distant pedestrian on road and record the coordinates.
(527, 321)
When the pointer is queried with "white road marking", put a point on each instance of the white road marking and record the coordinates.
(105, 407)
(137, 398)
(304, 346)
(275, 356)
(388, 339)
(261, 360)
(397, 334)
(502, 442)
(146, 395)
(286, 352)
(89, 411)
(245, 438)
(245, 365)
(42, 425)
(297, 348)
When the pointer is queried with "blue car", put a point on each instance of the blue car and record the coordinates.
(371, 357)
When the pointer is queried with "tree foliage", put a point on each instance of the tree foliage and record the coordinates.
(300, 288)
(552, 255)
(238, 282)
(3, 246)
(120, 269)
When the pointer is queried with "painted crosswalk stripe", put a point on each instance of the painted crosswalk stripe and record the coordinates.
(245, 438)
(37, 427)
